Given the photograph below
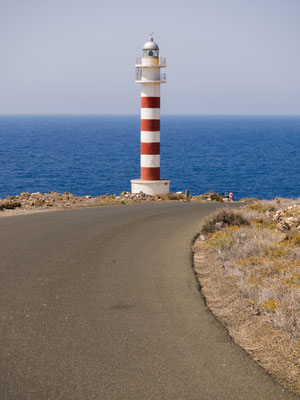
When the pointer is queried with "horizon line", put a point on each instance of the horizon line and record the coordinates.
(138, 114)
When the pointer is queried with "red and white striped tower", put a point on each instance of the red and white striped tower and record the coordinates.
(148, 74)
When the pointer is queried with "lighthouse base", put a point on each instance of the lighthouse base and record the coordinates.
(161, 186)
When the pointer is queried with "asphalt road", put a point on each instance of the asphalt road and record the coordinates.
(103, 304)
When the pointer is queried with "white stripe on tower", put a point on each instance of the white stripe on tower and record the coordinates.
(150, 137)
(150, 113)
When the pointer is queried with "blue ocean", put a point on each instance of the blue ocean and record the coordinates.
(93, 155)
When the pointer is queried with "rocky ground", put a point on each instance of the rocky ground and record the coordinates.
(38, 202)
(288, 220)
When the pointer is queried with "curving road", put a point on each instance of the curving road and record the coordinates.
(103, 303)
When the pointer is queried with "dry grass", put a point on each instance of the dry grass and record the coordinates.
(249, 200)
(270, 346)
(261, 207)
(170, 196)
(109, 199)
(278, 203)
(263, 261)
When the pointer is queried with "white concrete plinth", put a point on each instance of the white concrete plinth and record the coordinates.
(161, 186)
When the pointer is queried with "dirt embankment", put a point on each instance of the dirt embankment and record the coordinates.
(248, 266)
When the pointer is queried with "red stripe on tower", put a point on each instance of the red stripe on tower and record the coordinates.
(150, 174)
(150, 125)
(150, 148)
(150, 102)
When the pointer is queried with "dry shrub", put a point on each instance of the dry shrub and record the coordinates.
(264, 206)
(216, 197)
(170, 196)
(292, 240)
(107, 199)
(269, 306)
(261, 207)
(264, 223)
(221, 240)
(222, 220)
(209, 196)
(249, 200)
(251, 215)
(10, 204)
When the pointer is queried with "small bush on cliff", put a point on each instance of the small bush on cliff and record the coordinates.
(216, 197)
(222, 220)
(209, 196)
(9, 205)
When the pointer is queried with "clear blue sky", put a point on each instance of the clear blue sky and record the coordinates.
(78, 56)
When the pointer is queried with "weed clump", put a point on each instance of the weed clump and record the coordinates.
(249, 200)
(220, 241)
(261, 208)
(264, 223)
(291, 241)
(170, 196)
(222, 220)
(270, 306)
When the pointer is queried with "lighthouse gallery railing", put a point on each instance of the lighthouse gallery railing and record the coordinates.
(139, 74)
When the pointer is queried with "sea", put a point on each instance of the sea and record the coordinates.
(251, 156)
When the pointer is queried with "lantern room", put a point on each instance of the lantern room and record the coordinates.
(151, 48)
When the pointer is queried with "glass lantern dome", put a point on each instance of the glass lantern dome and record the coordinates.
(150, 48)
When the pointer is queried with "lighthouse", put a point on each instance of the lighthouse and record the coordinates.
(149, 75)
